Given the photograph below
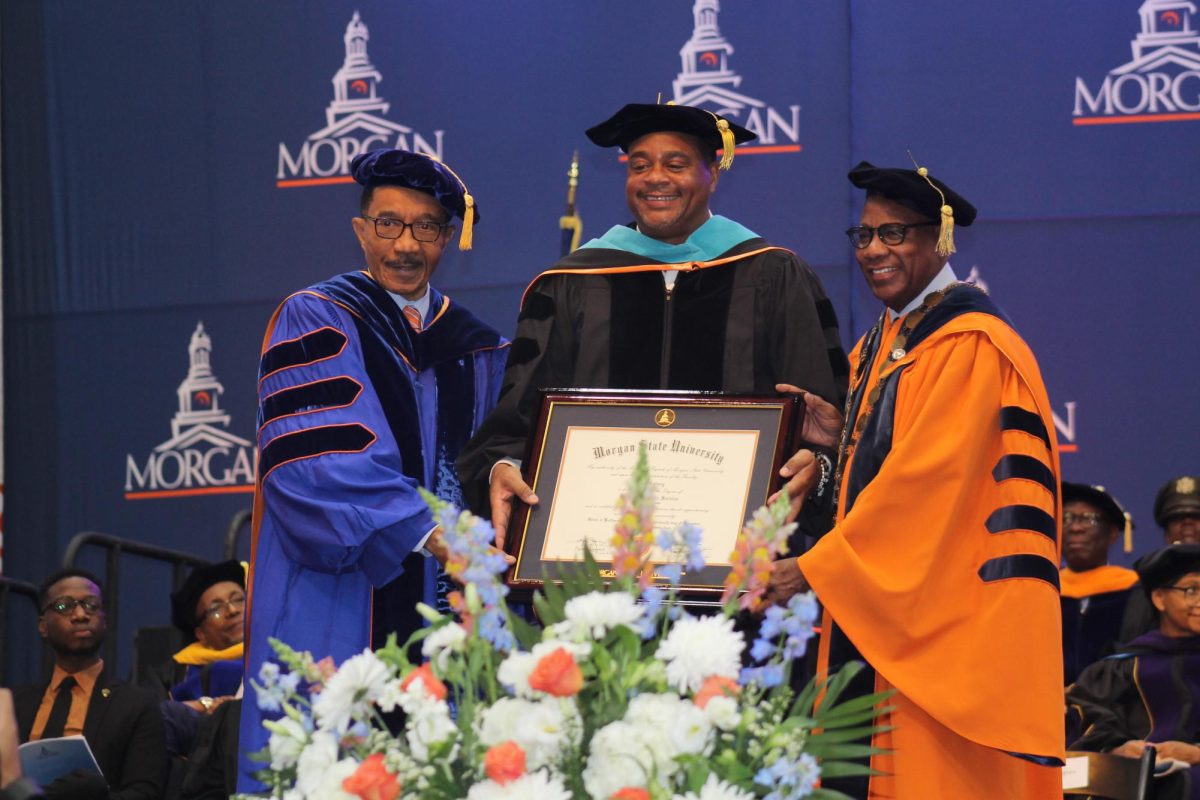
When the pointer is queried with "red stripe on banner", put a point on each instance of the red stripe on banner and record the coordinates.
(1135, 118)
(313, 181)
(746, 150)
(1068, 448)
(188, 492)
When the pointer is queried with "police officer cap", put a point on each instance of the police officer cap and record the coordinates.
(911, 190)
(183, 602)
(414, 171)
(636, 120)
(1096, 496)
(1164, 567)
(1179, 496)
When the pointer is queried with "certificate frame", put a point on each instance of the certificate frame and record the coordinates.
(755, 433)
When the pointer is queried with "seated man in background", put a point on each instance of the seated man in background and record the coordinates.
(1149, 693)
(1177, 512)
(121, 722)
(208, 610)
(1094, 592)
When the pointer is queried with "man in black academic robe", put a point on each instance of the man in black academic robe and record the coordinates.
(680, 299)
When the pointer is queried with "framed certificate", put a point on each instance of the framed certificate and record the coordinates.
(713, 459)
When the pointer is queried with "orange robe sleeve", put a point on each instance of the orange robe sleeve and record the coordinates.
(900, 572)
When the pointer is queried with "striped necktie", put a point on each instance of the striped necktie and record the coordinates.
(414, 318)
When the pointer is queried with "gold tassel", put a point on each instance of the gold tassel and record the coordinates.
(1128, 533)
(727, 144)
(467, 237)
(945, 242)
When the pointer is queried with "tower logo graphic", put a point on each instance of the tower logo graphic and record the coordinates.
(708, 81)
(354, 123)
(201, 457)
(1162, 81)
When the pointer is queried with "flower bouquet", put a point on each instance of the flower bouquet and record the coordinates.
(620, 695)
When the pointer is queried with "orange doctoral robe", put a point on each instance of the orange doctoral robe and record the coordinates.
(941, 571)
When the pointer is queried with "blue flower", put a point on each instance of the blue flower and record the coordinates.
(789, 779)
(665, 539)
(768, 676)
(692, 535)
(672, 572)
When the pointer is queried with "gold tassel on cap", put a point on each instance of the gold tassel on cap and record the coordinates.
(467, 237)
(945, 242)
(1128, 533)
(727, 144)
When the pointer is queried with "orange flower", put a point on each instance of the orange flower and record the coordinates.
(630, 793)
(715, 686)
(424, 673)
(557, 674)
(504, 762)
(372, 781)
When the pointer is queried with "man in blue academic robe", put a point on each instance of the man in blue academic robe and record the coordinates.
(370, 383)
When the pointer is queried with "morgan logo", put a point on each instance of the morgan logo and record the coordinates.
(1161, 83)
(707, 81)
(201, 457)
(354, 123)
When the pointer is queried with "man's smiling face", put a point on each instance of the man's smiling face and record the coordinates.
(668, 185)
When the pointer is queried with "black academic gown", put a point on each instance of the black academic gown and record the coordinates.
(1149, 691)
(602, 318)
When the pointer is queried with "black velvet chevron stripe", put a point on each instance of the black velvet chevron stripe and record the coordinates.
(1023, 565)
(1027, 467)
(352, 438)
(329, 393)
(1015, 418)
(315, 346)
(1022, 518)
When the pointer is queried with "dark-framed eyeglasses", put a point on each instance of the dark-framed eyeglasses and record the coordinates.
(1191, 594)
(423, 230)
(65, 606)
(1089, 519)
(891, 233)
(223, 609)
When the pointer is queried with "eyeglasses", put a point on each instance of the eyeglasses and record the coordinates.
(422, 230)
(892, 233)
(222, 609)
(1191, 594)
(1090, 520)
(66, 606)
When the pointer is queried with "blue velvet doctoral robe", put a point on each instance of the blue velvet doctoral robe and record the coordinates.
(355, 412)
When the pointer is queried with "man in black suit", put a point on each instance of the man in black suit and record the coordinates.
(121, 722)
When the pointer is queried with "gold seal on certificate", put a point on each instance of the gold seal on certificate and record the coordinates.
(713, 458)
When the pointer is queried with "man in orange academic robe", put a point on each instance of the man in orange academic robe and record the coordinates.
(941, 570)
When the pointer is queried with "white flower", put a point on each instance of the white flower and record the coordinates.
(595, 614)
(723, 713)
(438, 645)
(619, 758)
(672, 725)
(716, 789)
(698, 648)
(315, 761)
(428, 726)
(514, 671)
(350, 692)
(392, 695)
(330, 785)
(542, 728)
(530, 786)
(655, 730)
(287, 744)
